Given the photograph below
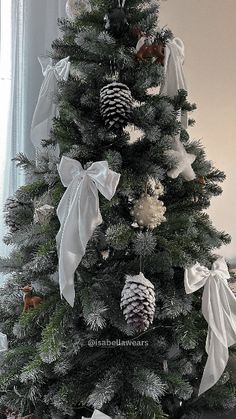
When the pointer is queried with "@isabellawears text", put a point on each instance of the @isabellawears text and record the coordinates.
(107, 343)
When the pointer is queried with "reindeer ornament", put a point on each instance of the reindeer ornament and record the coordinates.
(28, 299)
(147, 48)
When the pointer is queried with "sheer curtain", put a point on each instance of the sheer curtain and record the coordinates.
(33, 27)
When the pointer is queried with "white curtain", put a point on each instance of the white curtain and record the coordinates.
(33, 28)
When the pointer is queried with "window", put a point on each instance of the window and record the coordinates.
(5, 93)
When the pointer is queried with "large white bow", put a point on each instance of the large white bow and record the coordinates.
(175, 80)
(98, 415)
(3, 343)
(219, 310)
(46, 107)
(79, 214)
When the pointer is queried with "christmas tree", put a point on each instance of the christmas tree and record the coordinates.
(113, 221)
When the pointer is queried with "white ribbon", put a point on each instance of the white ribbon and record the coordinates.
(46, 107)
(79, 214)
(3, 343)
(219, 310)
(174, 74)
(175, 80)
(98, 415)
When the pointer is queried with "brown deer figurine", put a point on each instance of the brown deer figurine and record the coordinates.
(151, 51)
(28, 299)
(148, 48)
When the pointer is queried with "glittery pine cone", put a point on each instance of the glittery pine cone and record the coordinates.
(138, 302)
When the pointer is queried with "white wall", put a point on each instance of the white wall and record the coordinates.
(209, 32)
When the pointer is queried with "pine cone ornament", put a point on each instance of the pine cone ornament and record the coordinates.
(149, 212)
(116, 105)
(138, 302)
(16, 213)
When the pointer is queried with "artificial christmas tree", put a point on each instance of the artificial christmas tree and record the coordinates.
(83, 359)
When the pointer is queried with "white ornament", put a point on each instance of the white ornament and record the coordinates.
(148, 212)
(3, 343)
(75, 8)
(43, 214)
(138, 302)
(46, 108)
(182, 162)
(98, 415)
(219, 310)
(79, 214)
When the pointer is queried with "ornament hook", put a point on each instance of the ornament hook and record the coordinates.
(121, 4)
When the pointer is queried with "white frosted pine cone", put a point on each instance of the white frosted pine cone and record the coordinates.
(115, 105)
(138, 302)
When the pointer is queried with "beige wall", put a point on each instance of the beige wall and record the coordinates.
(208, 28)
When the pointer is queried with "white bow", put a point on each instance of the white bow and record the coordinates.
(79, 214)
(3, 343)
(219, 310)
(173, 67)
(98, 415)
(46, 107)
(175, 80)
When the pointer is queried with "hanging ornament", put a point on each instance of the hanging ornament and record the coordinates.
(146, 48)
(148, 212)
(138, 302)
(3, 343)
(153, 51)
(182, 161)
(29, 300)
(115, 105)
(44, 214)
(75, 8)
(116, 22)
(17, 213)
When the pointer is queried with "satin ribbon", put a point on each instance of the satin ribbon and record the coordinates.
(219, 310)
(46, 107)
(175, 80)
(3, 343)
(79, 214)
(98, 415)
(174, 74)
